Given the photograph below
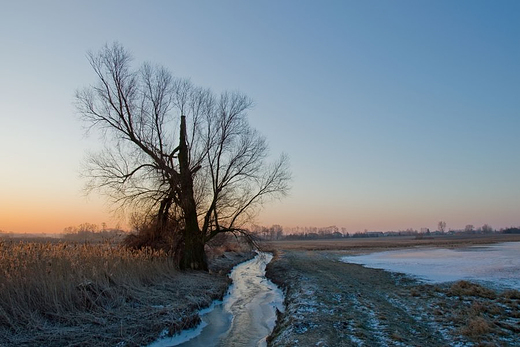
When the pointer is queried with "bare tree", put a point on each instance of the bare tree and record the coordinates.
(487, 229)
(469, 228)
(180, 153)
(441, 226)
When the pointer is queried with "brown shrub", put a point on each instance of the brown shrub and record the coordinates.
(476, 327)
(223, 243)
(466, 288)
(146, 235)
(477, 308)
(511, 294)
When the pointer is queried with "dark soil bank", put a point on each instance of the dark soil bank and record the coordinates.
(331, 303)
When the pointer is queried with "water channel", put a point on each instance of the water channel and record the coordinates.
(246, 315)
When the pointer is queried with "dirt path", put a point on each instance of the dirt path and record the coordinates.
(330, 303)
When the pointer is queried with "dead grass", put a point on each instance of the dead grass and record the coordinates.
(343, 303)
(476, 327)
(511, 294)
(53, 279)
(466, 288)
(101, 294)
(365, 245)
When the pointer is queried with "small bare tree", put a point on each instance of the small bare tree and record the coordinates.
(470, 229)
(487, 229)
(441, 226)
(180, 153)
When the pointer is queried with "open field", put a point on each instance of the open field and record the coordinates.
(70, 294)
(375, 244)
(331, 303)
(76, 294)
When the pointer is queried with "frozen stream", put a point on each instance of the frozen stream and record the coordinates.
(245, 317)
(497, 265)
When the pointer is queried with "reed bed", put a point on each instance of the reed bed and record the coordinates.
(52, 280)
(95, 294)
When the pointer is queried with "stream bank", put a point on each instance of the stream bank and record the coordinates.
(245, 317)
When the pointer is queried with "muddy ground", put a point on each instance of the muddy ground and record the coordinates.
(331, 303)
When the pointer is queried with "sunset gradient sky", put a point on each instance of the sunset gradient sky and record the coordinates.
(395, 114)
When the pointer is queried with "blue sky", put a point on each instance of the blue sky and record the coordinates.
(395, 114)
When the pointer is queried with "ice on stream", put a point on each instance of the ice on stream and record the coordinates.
(497, 265)
(246, 315)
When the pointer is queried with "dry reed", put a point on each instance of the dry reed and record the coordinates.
(79, 294)
(44, 285)
(53, 279)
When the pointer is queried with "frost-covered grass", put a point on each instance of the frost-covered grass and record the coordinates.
(338, 304)
(96, 294)
(52, 280)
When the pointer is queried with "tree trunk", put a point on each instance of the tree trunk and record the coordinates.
(161, 222)
(192, 254)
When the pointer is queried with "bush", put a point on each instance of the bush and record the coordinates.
(146, 235)
(476, 327)
(466, 288)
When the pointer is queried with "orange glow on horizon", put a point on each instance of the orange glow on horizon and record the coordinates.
(36, 217)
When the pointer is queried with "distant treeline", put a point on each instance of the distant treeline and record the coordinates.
(91, 232)
(80, 233)
(511, 230)
(276, 232)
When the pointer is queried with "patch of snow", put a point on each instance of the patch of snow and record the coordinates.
(376, 326)
(497, 263)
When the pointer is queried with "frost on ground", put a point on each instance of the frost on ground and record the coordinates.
(330, 303)
(169, 304)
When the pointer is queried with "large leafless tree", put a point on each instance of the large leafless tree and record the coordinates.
(179, 152)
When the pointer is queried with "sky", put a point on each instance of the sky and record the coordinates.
(395, 114)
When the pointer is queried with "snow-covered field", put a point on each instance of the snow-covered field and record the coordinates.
(497, 265)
